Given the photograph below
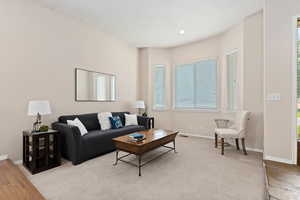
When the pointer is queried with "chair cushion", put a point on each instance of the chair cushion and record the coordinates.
(227, 132)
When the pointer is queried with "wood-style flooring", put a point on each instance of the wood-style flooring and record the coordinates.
(283, 181)
(14, 185)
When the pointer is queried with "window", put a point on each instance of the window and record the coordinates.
(100, 88)
(196, 85)
(232, 81)
(159, 87)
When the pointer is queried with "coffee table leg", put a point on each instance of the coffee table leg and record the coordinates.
(140, 160)
(117, 155)
(174, 145)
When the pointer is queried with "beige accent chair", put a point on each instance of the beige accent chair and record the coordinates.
(237, 131)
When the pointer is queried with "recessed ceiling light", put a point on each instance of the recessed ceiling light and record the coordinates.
(181, 32)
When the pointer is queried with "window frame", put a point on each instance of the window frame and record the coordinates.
(218, 82)
(153, 106)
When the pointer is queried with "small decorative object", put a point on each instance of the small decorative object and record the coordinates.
(145, 114)
(38, 108)
(44, 128)
(140, 105)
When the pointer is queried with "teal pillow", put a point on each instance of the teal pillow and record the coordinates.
(115, 122)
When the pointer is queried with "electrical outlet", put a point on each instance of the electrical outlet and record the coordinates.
(273, 97)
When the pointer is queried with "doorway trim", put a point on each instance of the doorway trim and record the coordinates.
(294, 90)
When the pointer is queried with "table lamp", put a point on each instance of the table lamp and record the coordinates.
(140, 105)
(38, 108)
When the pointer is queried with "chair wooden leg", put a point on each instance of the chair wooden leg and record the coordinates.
(237, 144)
(216, 140)
(244, 147)
(222, 143)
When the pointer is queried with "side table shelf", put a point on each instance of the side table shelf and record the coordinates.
(41, 150)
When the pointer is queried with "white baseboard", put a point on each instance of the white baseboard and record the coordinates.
(212, 138)
(277, 159)
(18, 162)
(3, 157)
(194, 135)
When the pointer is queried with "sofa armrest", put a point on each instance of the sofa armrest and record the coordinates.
(145, 121)
(70, 141)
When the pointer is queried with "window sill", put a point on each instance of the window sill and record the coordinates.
(229, 111)
(200, 110)
(160, 109)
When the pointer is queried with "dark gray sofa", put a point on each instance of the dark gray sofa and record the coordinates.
(78, 149)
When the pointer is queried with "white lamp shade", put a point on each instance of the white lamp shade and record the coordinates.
(139, 104)
(41, 107)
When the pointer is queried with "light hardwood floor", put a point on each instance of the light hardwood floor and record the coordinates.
(283, 181)
(14, 185)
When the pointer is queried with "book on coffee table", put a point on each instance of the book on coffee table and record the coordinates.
(136, 137)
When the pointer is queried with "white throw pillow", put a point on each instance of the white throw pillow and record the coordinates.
(104, 121)
(79, 124)
(131, 119)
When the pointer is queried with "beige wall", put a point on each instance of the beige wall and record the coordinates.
(160, 57)
(279, 132)
(230, 41)
(253, 76)
(200, 122)
(38, 53)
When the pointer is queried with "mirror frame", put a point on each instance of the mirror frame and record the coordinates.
(76, 70)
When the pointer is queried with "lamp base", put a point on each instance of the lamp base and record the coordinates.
(37, 124)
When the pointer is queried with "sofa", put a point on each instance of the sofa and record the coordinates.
(78, 149)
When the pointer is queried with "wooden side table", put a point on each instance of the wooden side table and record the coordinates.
(41, 150)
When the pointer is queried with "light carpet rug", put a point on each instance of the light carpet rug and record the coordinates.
(197, 171)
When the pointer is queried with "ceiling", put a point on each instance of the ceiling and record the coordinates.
(157, 23)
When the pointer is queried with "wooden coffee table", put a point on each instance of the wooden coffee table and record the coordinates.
(154, 138)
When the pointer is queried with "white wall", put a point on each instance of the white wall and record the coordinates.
(200, 122)
(39, 50)
(279, 133)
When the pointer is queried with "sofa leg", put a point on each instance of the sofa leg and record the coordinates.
(222, 144)
(216, 140)
(244, 147)
(237, 144)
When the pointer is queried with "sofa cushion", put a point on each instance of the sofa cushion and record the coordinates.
(111, 133)
(116, 122)
(90, 121)
(121, 115)
(103, 118)
(76, 122)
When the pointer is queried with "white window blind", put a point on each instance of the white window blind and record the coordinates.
(159, 86)
(232, 81)
(196, 85)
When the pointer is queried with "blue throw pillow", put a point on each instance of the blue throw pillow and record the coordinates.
(115, 122)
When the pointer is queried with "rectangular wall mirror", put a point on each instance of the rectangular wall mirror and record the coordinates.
(94, 86)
